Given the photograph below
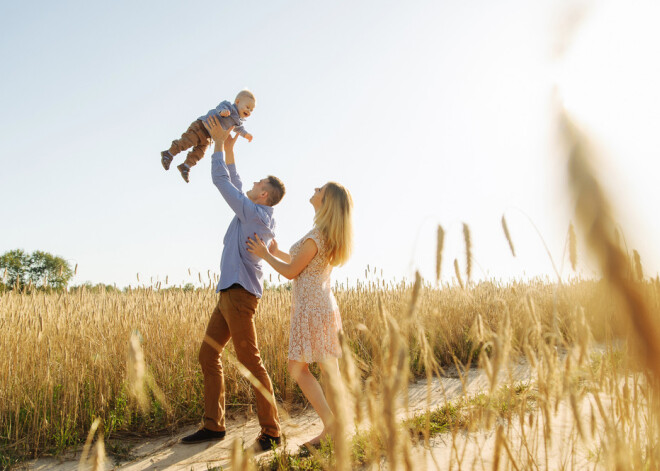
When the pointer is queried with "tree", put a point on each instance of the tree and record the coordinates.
(49, 270)
(41, 268)
(14, 267)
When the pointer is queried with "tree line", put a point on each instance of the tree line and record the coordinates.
(41, 270)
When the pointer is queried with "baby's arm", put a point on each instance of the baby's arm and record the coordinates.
(241, 130)
(223, 108)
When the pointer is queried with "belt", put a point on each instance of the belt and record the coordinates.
(234, 286)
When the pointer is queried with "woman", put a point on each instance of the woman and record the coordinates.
(315, 319)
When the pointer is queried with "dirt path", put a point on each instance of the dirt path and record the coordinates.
(168, 453)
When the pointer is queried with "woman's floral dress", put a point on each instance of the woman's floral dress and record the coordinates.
(315, 318)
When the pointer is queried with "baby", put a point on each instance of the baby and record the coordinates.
(198, 137)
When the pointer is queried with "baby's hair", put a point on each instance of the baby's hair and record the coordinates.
(246, 94)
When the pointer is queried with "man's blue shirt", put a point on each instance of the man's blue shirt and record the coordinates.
(237, 264)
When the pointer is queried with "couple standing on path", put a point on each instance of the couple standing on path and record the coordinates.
(315, 318)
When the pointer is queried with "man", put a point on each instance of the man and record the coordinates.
(240, 289)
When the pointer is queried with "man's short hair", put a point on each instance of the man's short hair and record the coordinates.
(276, 192)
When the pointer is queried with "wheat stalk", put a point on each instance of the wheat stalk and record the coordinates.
(468, 252)
(136, 370)
(440, 241)
(572, 246)
(638, 265)
(594, 214)
(88, 443)
(457, 271)
(508, 236)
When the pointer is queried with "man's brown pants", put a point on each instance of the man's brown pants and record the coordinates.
(233, 317)
(196, 137)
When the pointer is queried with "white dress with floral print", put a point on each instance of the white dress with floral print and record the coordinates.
(315, 319)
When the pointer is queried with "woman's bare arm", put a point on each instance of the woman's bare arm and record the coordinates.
(291, 269)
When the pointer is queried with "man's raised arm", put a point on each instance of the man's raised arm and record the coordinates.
(219, 135)
(227, 180)
(231, 163)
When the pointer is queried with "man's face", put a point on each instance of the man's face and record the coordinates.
(258, 189)
(245, 107)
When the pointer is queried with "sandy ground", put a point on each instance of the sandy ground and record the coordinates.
(467, 451)
(476, 450)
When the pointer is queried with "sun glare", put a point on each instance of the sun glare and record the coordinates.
(609, 74)
(608, 83)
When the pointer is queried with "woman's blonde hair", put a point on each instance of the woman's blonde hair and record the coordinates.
(334, 220)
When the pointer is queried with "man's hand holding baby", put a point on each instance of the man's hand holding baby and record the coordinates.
(217, 132)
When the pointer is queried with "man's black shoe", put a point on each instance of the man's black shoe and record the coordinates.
(265, 442)
(203, 435)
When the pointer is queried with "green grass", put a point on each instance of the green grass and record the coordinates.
(302, 459)
(7, 460)
(120, 450)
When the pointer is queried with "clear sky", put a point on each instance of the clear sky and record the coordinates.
(430, 112)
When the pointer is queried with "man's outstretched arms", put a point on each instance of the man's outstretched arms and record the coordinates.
(218, 133)
(225, 179)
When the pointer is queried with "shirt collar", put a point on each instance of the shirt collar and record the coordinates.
(234, 111)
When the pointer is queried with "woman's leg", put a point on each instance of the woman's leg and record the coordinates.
(331, 376)
(311, 388)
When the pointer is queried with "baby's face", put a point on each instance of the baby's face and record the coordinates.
(245, 107)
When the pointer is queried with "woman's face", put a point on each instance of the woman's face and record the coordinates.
(317, 197)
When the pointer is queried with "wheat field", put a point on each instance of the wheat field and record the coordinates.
(68, 358)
